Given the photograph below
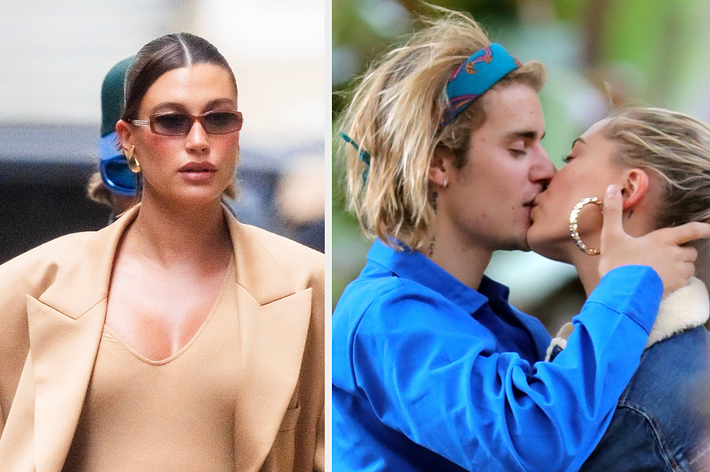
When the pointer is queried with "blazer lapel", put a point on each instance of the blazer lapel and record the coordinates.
(63, 353)
(65, 326)
(274, 321)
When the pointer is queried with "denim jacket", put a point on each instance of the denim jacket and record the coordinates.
(659, 423)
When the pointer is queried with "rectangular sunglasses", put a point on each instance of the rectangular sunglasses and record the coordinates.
(180, 124)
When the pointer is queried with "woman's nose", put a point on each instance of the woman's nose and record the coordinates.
(197, 138)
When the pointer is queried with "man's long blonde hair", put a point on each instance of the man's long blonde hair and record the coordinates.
(394, 116)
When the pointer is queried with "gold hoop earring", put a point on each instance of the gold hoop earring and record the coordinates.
(573, 228)
(133, 163)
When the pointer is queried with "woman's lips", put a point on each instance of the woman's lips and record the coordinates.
(197, 172)
(198, 167)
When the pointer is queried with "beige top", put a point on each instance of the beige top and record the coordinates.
(176, 414)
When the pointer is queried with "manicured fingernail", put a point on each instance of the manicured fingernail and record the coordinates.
(611, 190)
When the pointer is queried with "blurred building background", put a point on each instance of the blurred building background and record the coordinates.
(598, 53)
(54, 56)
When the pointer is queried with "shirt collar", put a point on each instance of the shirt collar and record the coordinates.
(415, 266)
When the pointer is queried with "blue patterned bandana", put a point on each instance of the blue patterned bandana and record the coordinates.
(474, 77)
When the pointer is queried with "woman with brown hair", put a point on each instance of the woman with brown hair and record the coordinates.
(176, 338)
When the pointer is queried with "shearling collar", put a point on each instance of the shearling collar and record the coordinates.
(686, 308)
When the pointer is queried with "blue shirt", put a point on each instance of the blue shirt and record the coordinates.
(431, 375)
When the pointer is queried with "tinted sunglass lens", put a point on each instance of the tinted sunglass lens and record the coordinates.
(172, 124)
(222, 122)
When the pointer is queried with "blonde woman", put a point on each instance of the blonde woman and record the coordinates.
(661, 161)
(432, 368)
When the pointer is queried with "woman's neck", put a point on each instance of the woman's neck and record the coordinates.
(640, 224)
(588, 270)
(170, 234)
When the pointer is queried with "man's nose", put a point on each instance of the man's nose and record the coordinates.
(543, 170)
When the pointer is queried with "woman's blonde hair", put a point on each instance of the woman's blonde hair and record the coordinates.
(675, 147)
(394, 116)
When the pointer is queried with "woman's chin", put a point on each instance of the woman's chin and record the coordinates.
(191, 197)
(546, 245)
(200, 199)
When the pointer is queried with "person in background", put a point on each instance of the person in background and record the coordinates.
(176, 338)
(432, 368)
(661, 161)
(115, 185)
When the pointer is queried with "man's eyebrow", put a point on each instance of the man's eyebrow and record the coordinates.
(526, 134)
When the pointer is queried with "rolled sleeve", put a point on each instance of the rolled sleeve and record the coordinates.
(635, 291)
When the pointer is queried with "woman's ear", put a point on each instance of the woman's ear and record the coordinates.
(440, 167)
(634, 187)
(123, 131)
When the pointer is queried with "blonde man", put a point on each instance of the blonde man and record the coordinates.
(433, 370)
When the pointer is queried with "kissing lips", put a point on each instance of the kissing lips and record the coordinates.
(529, 207)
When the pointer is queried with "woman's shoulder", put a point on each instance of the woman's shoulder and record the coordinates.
(680, 355)
(673, 375)
(34, 270)
(51, 253)
(294, 259)
(661, 416)
(281, 245)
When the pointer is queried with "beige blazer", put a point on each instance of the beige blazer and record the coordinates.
(52, 312)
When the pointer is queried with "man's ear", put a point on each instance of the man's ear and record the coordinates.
(123, 131)
(634, 187)
(441, 166)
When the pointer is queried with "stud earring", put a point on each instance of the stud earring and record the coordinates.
(133, 163)
(573, 228)
(446, 183)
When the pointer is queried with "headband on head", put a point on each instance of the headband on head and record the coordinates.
(477, 74)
